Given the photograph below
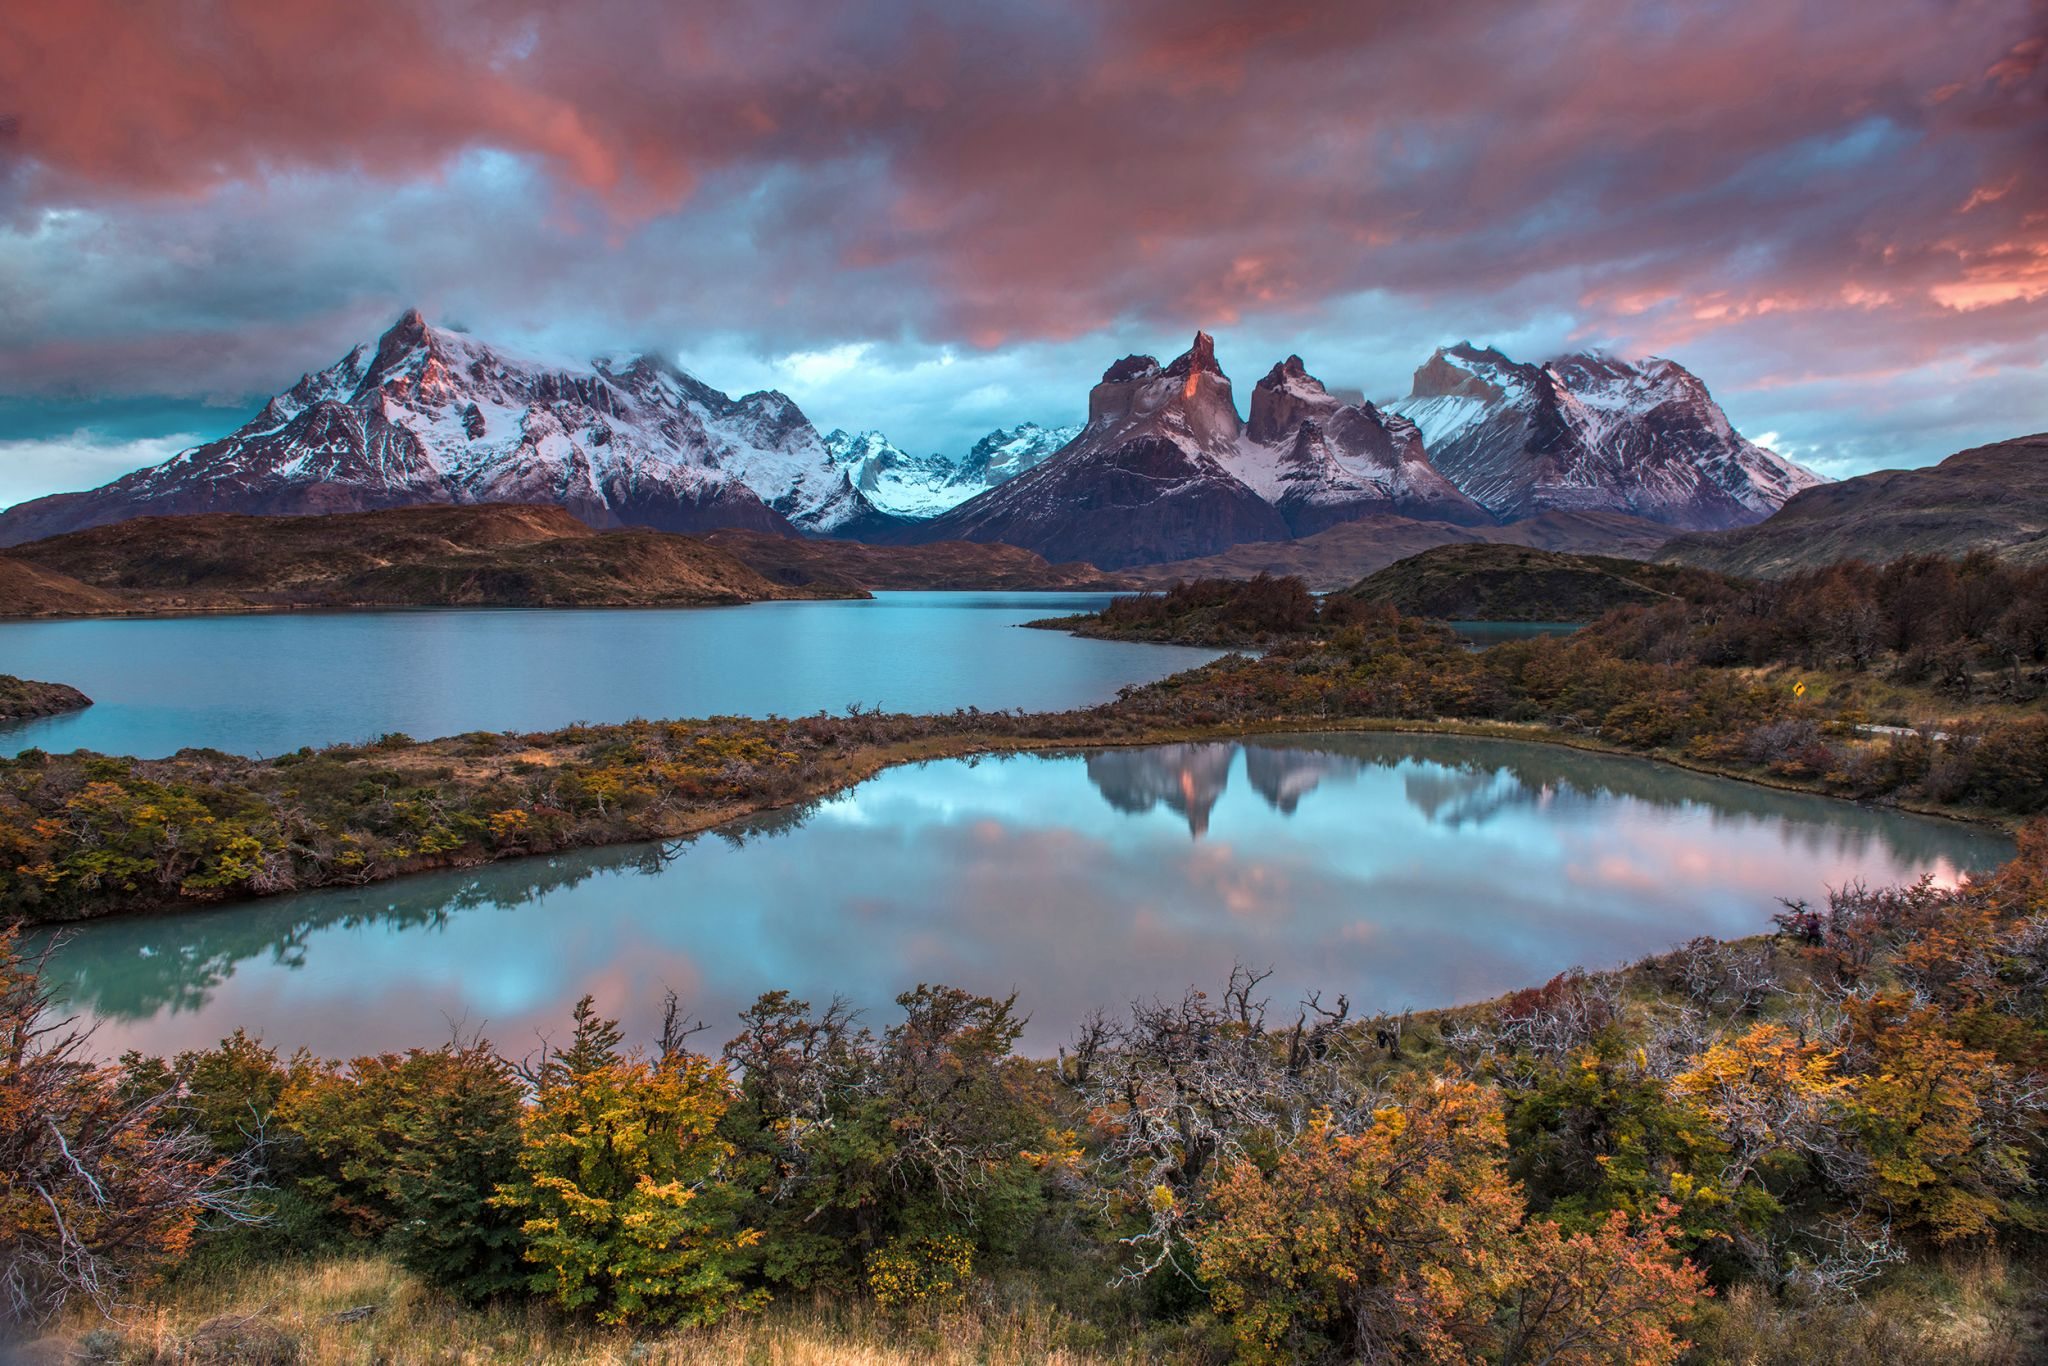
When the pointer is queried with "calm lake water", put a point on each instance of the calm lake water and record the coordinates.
(1404, 870)
(268, 684)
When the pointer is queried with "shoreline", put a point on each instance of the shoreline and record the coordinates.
(869, 761)
(864, 594)
(202, 611)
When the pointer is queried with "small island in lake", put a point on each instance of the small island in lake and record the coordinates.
(23, 699)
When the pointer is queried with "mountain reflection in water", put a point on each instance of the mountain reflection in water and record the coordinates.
(1406, 870)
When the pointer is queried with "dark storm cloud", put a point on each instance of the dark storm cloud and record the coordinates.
(1832, 210)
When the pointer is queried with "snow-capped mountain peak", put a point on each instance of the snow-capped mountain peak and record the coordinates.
(1006, 453)
(432, 415)
(1587, 431)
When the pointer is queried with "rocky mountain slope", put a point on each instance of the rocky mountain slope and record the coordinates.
(1590, 432)
(1322, 461)
(497, 555)
(428, 415)
(1145, 480)
(1991, 498)
(1347, 552)
(906, 485)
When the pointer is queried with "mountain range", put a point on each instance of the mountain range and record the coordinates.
(1164, 469)
(908, 485)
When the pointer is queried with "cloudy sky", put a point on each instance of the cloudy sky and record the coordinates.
(935, 218)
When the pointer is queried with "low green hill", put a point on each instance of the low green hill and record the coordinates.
(1519, 583)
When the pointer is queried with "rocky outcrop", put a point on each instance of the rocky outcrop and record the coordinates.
(23, 699)
(1323, 462)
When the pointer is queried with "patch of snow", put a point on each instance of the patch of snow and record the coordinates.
(1443, 419)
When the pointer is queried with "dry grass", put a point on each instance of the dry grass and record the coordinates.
(1882, 699)
(300, 1313)
(1979, 1310)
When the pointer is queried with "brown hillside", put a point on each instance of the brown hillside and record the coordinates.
(483, 556)
(938, 565)
(29, 590)
(1991, 498)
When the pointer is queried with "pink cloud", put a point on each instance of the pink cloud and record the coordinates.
(1763, 173)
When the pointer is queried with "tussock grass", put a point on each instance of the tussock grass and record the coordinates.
(299, 1313)
(1973, 1310)
(1978, 1309)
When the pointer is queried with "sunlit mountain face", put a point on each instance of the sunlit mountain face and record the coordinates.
(936, 225)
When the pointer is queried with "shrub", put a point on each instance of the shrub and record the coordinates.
(409, 1148)
(916, 1272)
(97, 1188)
(1407, 1241)
(621, 1193)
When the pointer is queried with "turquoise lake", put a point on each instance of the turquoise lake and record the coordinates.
(266, 684)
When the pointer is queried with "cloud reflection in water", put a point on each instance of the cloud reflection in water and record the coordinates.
(1404, 870)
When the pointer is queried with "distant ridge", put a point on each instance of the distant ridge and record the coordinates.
(1340, 556)
(499, 555)
(491, 555)
(1992, 498)
(906, 485)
